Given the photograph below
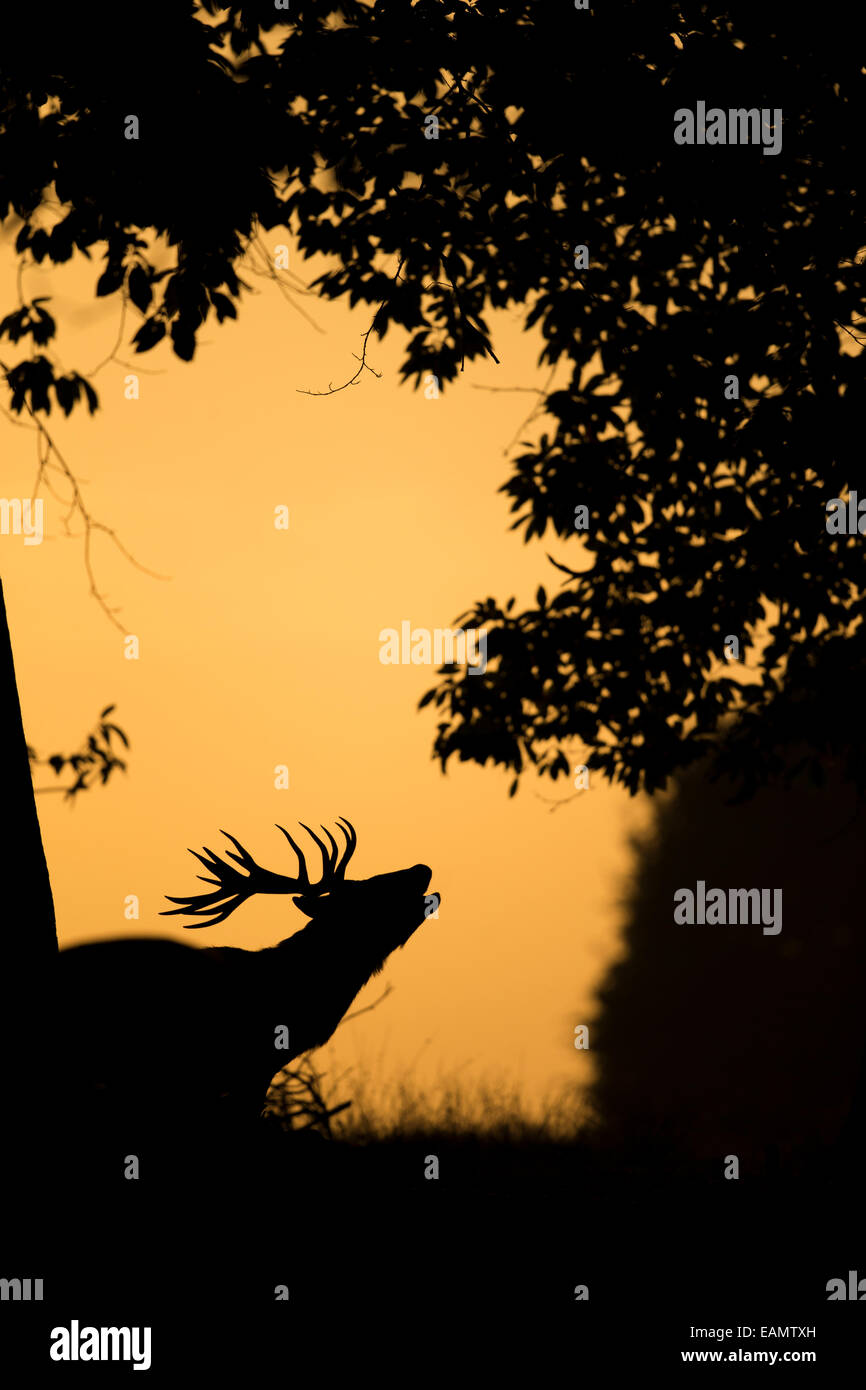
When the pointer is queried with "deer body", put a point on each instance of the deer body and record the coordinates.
(167, 1032)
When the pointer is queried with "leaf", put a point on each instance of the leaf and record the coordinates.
(138, 286)
(40, 245)
(66, 391)
(225, 309)
(43, 327)
(110, 280)
(151, 332)
(113, 728)
(13, 326)
(183, 340)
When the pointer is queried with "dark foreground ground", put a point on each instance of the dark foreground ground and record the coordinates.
(403, 1279)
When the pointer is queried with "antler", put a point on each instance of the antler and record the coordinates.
(232, 888)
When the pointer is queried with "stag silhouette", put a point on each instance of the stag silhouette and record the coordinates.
(171, 1032)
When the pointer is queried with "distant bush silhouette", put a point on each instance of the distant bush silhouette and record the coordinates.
(719, 1039)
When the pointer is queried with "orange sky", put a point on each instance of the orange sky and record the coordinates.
(263, 648)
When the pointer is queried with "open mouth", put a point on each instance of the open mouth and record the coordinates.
(421, 881)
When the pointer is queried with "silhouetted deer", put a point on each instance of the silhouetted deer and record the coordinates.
(167, 1032)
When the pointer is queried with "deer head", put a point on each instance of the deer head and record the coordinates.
(229, 1018)
(398, 901)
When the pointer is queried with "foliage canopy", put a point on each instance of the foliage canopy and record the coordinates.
(555, 130)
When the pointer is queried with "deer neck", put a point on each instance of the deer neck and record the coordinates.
(317, 984)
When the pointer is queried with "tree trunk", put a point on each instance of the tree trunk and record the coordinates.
(29, 947)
